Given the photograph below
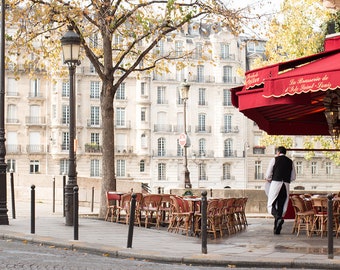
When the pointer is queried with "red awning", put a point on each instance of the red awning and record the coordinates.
(287, 98)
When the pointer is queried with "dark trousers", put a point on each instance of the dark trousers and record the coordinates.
(277, 207)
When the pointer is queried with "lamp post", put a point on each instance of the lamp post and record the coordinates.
(70, 43)
(184, 95)
(3, 165)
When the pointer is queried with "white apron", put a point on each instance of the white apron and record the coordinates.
(272, 191)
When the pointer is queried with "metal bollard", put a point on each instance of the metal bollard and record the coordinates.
(12, 193)
(76, 212)
(330, 226)
(92, 200)
(204, 222)
(53, 195)
(64, 184)
(131, 220)
(32, 209)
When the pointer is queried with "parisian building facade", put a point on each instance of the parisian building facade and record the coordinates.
(225, 150)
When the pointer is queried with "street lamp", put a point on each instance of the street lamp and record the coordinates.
(184, 96)
(70, 43)
(3, 165)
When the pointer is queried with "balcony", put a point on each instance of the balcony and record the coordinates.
(93, 148)
(229, 129)
(120, 124)
(35, 120)
(203, 129)
(94, 123)
(35, 148)
(123, 149)
(12, 121)
(259, 150)
(13, 148)
(162, 128)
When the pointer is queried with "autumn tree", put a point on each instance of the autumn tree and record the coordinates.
(37, 26)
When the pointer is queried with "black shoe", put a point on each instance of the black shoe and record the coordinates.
(278, 228)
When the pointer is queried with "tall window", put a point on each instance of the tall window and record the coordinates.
(95, 138)
(143, 141)
(314, 167)
(10, 165)
(65, 114)
(120, 168)
(35, 114)
(161, 171)
(34, 166)
(178, 48)
(95, 116)
(12, 114)
(200, 73)
(227, 74)
(63, 166)
(201, 122)
(94, 40)
(201, 96)
(65, 89)
(258, 170)
(225, 51)
(161, 147)
(95, 89)
(328, 167)
(143, 114)
(35, 88)
(226, 171)
(202, 147)
(66, 141)
(12, 87)
(95, 170)
(202, 172)
(228, 148)
(226, 97)
(298, 166)
(120, 117)
(161, 95)
(227, 123)
(142, 165)
(180, 149)
(160, 48)
(120, 94)
(199, 50)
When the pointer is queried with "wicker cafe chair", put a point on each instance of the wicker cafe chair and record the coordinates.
(150, 208)
(123, 211)
(319, 225)
(228, 215)
(303, 216)
(111, 204)
(180, 215)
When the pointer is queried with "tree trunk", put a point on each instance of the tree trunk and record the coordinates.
(108, 165)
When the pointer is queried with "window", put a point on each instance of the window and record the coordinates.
(34, 117)
(34, 142)
(12, 142)
(94, 89)
(226, 171)
(228, 148)
(227, 74)
(34, 166)
(202, 172)
(143, 114)
(200, 73)
(258, 170)
(12, 87)
(120, 94)
(143, 141)
(142, 165)
(35, 88)
(65, 89)
(95, 138)
(226, 97)
(227, 123)
(95, 168)
(328, 166)
(161, 95)
(314, 168)
(199, 50)
(180, 149)
(65, 114)
(251, 46)
(161, 147)
(178, 48)
(160, 48)
(201, 122)
(10, 165)
(161, 171)
(299, 167)
(201, 147)
(12, 114)
(143, 88)
(94, 40)
(201, 96)
(63, 166)
(95, 116)
(117, 39)
(120, 168)
(120, 117)
(66, 141)
(224, 51)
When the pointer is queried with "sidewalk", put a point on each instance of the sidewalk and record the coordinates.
(256, 246)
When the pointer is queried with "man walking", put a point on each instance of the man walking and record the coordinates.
(280, 173)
